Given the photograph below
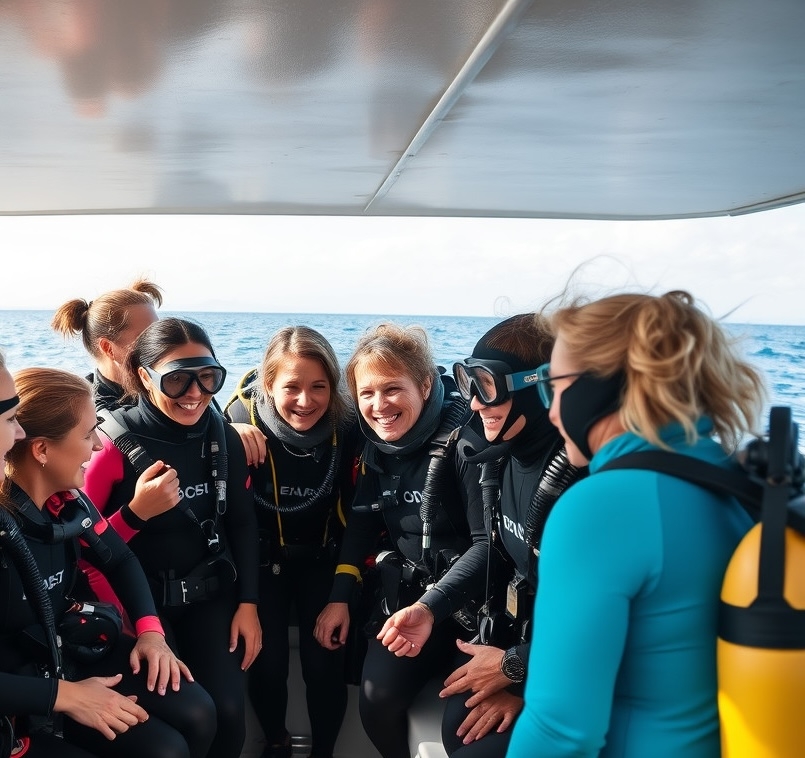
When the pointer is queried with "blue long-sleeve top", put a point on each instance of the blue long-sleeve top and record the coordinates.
(623, 654)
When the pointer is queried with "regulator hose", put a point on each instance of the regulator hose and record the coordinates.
(559, 474)
(442, 447)
(13, 540)
(324, 489)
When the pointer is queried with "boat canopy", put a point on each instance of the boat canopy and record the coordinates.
(587, 109)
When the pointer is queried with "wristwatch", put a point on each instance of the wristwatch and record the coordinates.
(512, 666)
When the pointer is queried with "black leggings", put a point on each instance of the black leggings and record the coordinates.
(180, 724)
(199, 633)
(303, 585)
(44, 745)
(390, 684)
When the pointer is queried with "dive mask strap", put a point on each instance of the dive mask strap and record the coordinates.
(7, 405)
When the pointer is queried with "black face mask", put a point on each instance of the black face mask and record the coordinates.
(587, 400)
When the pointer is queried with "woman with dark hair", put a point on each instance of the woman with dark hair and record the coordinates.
(623, 660)
(175, 485)
(415, 493)
(121, 695)
(523, 467)
(298, 401)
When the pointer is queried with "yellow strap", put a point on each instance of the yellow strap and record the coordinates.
(252, 407)
(339, 508)
(276, 493)
(345, 568)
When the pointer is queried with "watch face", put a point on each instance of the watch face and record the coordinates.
(512, 666)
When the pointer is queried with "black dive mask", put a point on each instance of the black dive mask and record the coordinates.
(176, 377)
(492, 381)
(501, 376)
(587, 400)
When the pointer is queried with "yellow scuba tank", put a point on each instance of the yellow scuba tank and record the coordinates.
(761, 690)
(761, 643)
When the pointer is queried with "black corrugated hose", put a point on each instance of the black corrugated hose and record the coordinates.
(443, 444)
(557, 477)
(13, 541)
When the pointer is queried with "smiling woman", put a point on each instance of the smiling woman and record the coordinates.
(431, 513)
(168, 714)
(182, 501)
(302, 481)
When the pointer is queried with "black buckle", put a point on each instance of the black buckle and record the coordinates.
(213, 540)
(191, 589)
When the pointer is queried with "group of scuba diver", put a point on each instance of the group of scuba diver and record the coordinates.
(156, 546)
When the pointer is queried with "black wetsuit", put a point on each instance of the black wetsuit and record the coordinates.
(520, 474)
(173, 546)
(179, 723)
(389, 684)
(105, 392)
(298, 555)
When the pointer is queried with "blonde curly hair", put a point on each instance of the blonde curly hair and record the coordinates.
(679, 363)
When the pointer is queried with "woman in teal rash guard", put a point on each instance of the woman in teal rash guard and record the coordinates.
(623, 657)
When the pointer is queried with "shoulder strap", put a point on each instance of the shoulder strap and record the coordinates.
(243, 392)
(219, 459)
(771, 491)
(708, 475)
(115, 428)
(89, 535)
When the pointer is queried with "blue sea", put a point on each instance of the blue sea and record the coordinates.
(240, 338)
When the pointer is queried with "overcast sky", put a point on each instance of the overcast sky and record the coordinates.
(749, 268)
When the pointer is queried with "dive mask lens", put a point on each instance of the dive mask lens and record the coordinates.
(544, 385)
(211, 379)
(462, 380)
(544, 379)
(174, 384)
(482, 381)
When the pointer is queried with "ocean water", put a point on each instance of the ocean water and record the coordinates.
(240, 338)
